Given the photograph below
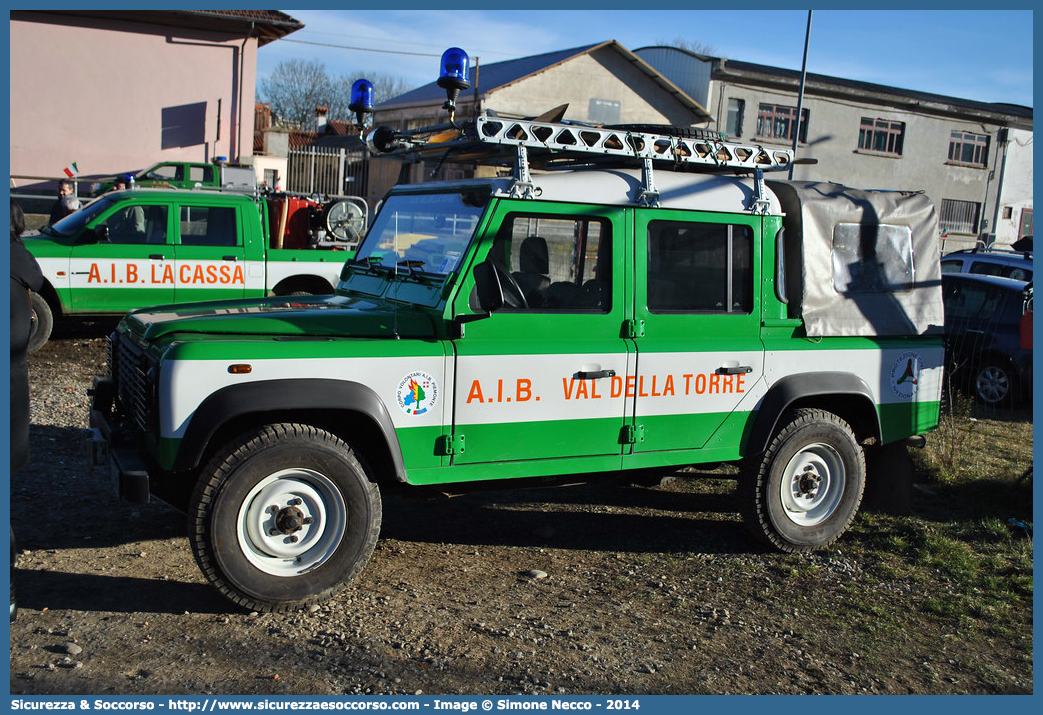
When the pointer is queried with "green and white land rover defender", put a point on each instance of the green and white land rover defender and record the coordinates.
(643, 302)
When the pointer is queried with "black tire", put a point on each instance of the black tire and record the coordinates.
(995, 384)
(804, 490)
(257, 495)
(669, 130)
(41, 322)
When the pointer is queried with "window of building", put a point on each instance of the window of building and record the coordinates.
(959, 216)
(559, 264)
(881, 135)
(776, 121)
(733, 124)
(1026, 223)
(699, 268)
(604, 111)
(967, 148)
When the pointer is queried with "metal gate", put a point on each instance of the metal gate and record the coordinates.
(332, 171)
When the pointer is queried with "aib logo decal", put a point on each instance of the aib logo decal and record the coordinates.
(905, 375)
(417, 393)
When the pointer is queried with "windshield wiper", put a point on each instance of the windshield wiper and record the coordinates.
(370, 264)
(412, 265)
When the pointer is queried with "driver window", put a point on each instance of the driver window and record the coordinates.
(557, 264)
(165, 172)
(138, 224)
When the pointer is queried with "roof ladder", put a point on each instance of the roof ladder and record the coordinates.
(578, 141)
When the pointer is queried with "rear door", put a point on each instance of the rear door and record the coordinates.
(697, 314)
(211, 255)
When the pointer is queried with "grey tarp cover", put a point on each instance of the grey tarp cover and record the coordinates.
(842, 267)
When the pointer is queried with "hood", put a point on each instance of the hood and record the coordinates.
(329, 316)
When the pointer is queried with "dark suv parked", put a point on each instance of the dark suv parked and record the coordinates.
(990, 262)
(987, 351)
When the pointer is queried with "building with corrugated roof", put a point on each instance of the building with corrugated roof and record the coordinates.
(974, 159)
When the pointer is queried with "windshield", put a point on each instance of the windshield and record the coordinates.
(422, 233)
(75, 221)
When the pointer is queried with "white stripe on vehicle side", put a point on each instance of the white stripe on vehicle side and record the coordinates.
(51, 266)
(879, 369)
(281, 270)
(187, 383)
(526, 388)
(143, 273)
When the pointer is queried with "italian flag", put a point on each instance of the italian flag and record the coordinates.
(72, 170)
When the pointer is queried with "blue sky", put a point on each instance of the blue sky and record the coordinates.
(970, 54)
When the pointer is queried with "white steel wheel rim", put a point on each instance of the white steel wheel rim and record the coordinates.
(813, 484)
(992, 384)
(291, 522)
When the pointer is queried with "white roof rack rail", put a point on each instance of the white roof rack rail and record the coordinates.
(524, 142)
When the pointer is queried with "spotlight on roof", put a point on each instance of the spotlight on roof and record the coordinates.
(361, 102)
(453, 77)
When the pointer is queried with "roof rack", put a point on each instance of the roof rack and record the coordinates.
(522, 143)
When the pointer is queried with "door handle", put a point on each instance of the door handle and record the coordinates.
(594, 374)
(734, 370)
(157, 257)
(229, 258)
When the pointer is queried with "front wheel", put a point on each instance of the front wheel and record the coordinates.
(803, 492)
(41, 322)
(284, 517)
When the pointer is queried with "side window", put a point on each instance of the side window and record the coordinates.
(699, 268)
(165, 172)
(872, 258)
(560, 264)
(138, 224)
(209, 226)
(952, 266)
(972, 302)
(197, 173)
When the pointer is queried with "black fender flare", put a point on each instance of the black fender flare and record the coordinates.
(236, 401)
(793, 388)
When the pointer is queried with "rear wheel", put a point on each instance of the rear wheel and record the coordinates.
(283, 518)
(995, 384)
(804, 490)
(41, 322)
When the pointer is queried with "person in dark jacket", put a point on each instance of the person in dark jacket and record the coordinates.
(25, 276)
(66, 204)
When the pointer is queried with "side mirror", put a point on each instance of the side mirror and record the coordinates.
(488, 286)
(98, 234)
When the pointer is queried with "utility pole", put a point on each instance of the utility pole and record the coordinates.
(800, 92)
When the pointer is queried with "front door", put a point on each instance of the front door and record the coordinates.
(543, 377)
(127, 270)
(699, 352)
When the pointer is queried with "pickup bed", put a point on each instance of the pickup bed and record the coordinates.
(142, 247)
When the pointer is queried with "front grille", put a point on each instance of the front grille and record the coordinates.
(134, 374)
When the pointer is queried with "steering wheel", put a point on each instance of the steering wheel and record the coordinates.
(513, 296)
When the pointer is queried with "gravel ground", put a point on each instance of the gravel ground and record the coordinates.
(592, 590)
